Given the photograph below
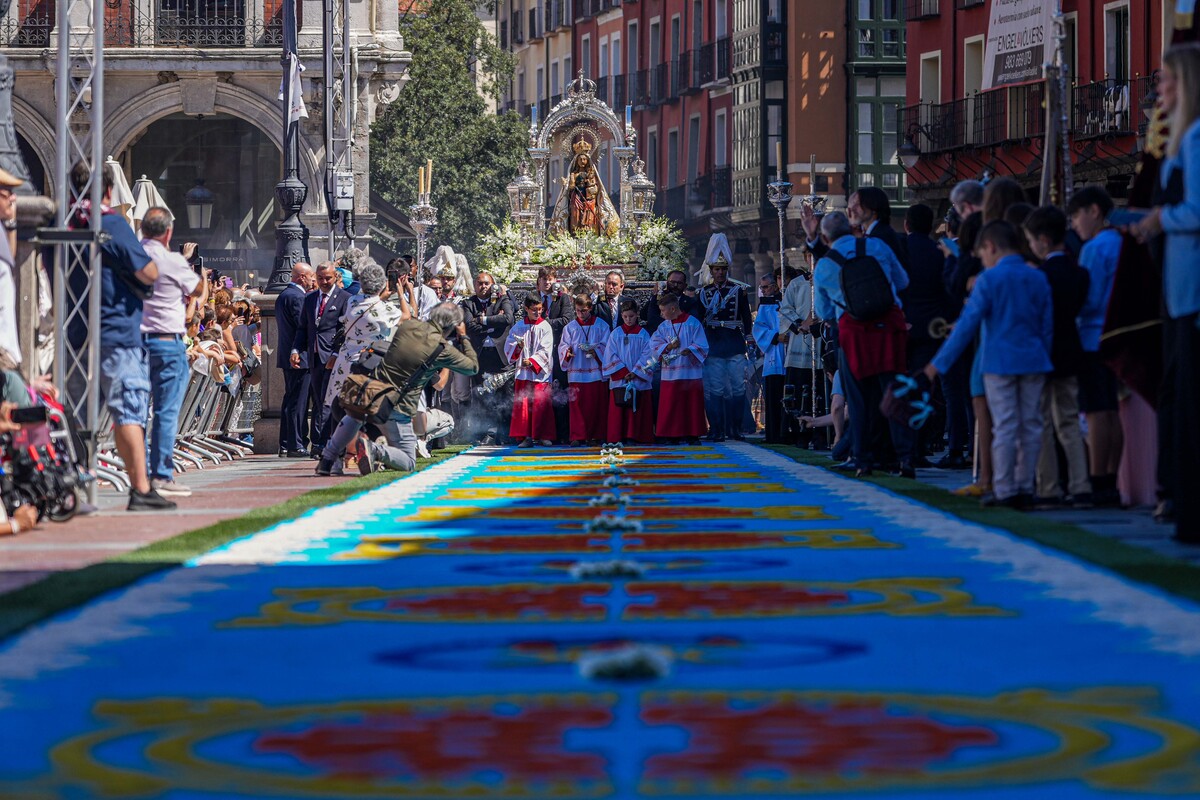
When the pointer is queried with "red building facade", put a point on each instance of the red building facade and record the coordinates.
(1113, 49)
(669, 60)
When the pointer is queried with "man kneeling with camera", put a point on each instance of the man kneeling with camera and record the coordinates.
(385, 389)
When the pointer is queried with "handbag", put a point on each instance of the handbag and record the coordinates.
(368, 399)
(627, 398)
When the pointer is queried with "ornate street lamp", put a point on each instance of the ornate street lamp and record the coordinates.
(523, 201)
(199, 202)
(641, 196)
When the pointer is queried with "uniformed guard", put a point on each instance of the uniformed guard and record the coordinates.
(725, 310)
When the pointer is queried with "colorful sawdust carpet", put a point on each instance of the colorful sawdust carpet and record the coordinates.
(715, 622)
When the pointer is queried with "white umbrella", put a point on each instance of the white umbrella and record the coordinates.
(122, 197)
(146, 197)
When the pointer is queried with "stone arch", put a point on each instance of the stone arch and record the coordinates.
(36, 130)
(139, 113)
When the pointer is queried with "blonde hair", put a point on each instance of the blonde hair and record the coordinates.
(1184, 61)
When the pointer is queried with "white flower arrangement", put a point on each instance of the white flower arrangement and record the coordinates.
(499, 252)
(615, 481)
(662, 247)
(613, 523)
(629, 662)
(612, 460)
(617, 568)
(609, 499)
(612, 450)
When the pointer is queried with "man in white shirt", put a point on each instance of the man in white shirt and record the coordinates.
(164, 324)
(8, 285)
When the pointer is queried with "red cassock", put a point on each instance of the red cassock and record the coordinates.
(587, 403)
(681, 409)
(627, 424)
(533, 411)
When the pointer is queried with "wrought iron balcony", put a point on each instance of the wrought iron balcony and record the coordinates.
(722, 187)
(673, 202)
(1112, 107)
(714, 62)
(165, 23)
(659, 83)
(30, 30)
(602, 90)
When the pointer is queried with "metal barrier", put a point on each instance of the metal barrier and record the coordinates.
(210, 422)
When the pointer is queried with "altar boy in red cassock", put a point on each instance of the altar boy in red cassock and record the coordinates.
(681, 346)
(630, 408)
(581, 353)
(531, 345)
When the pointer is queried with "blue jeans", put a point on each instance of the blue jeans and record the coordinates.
(168, 383)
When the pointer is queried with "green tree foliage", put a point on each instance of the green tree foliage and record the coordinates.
(442, 114)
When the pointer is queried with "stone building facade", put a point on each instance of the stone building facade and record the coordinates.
(191, 93)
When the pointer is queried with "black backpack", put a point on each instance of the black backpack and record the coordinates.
(865, 286)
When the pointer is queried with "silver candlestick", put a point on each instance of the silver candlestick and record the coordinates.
(779, 193)
(423, 219)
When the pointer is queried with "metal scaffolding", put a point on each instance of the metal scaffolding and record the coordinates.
(339, 111)
(79, 90)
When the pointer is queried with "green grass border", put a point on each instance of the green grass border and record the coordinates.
(1136, 563)
(62, 591)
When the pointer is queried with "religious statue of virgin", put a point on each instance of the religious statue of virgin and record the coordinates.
(583, 205)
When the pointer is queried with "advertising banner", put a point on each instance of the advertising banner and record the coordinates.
(1018, 35)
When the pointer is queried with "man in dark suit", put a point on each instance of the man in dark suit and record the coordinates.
(320, 320)
(608, 307)
(924, 300)
(293, 436)
(488, 316)
(870, 211)
(558, 308)
(677, 284)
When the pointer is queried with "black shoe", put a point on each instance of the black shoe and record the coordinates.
(955, 461)
(324, 468)
(845, 466)
(150, 501)
(1014, 502)
(1048, 503)
(905, 471)
(315, 454)
(1164, 512)
(1107, 498)
(295, 454)
(1081, 500)
(863, 473)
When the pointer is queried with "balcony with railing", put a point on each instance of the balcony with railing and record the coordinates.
(1112, 107)
(660, 83)
(158, 23)
(714, 61)
(922, 9)
(620, 91)
(639, 88)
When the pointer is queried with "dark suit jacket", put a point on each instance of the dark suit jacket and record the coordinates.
(558, 312)
(604, 311)
(1068, 292)
(926, 297)
(317, 335)
(287, 321)
(653, 317)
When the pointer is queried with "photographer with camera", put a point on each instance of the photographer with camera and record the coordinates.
(164, 325)
(386, 389)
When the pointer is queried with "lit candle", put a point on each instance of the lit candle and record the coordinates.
(779, 160)
(812, 173)
(628, 116)
(420, 183)
(429, 175)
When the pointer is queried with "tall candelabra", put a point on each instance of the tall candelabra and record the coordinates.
(817, 203)
(423, 219)
(779, 193)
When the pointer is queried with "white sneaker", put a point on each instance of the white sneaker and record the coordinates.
(170, 488)
(422, 450)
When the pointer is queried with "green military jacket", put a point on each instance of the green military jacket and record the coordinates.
(414, 342)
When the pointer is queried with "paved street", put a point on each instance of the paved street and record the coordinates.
(716, 622)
